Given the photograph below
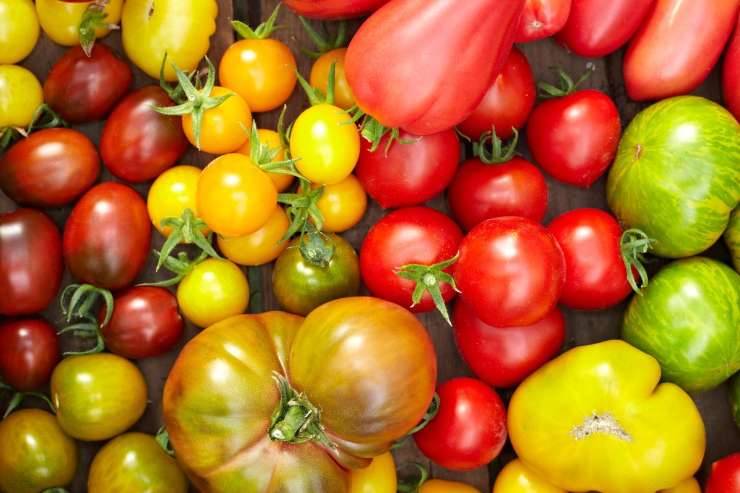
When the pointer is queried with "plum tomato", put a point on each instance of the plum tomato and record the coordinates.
(29, 350)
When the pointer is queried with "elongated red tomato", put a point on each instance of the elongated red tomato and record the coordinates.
(333, 9)
(731, 74)
(542, 18)
(435, 62)
(655, 69)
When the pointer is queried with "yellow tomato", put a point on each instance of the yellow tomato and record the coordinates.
(691, 485)
(342, 204)
(326, 144)
(214, 290)
(518, 478)
(235, 197)
(19, 30)
(378, 477)
(442, 486)
(171, 193)
(180, 28)
(271, 139)
(20, 96)
(319, 78)
(223, 127)
(260, 247)
(61, 20)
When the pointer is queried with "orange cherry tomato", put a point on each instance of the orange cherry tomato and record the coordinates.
(319, 77)
(272, 139)
(225, 127)
(342, 205)
(260, 247)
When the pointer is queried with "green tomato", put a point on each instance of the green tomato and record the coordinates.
(732, 238)
(735, 398)
(676, 174)
(688, 319)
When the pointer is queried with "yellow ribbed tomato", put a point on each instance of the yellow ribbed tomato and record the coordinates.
(61, 20)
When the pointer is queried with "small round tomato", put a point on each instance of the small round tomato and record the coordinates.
(19, 30)
(260, 247)
(326, 144)
(29, 350)
(171, 193)
(35, 454)
(214, 290)
(319, 77)
(725, 475)
(20, 96)
(235, 197)
(443, 486)
(378, 477)
(97, 396)
(342, 205)
(61, 20)
(223, 128)
(516, 477)
(469, 429)
(271, 139)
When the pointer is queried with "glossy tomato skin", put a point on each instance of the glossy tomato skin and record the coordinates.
(409, 173)
(542, 18)
(138, 143)
(511, 271)
(107, 235)
(413, 235)
(145, 323)
(20, 96)
(481, 191)
(574, 138)
(653, 69)
(731, 75)
(334, 9)
(49, 168)
(503, 357)
(595, 275)
(31, 262)
(469, 430)
(29, 350)
(84, 89)
(725, 475)
(378, 477)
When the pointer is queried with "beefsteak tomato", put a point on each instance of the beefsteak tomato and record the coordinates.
(333, 9)
(542, 18)
(731, 74)
(29, 350)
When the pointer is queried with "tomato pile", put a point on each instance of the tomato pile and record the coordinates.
(426, 98)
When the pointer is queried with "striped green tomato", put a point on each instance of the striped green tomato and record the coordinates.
(677, 174)
(732, 238)
(688, 318)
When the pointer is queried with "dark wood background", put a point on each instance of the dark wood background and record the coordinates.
(583, 327)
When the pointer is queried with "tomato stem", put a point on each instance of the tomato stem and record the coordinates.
(181, 266)
(264, 156)
(414, 485)
(163, 439)
(307, 220)
(428, 279)
(83, 298)
(19, 397)
(431, 413)
(315, 96)
(262, 31)
(186, 229)
(634, 244)
(567, 84)
(497, 154)
(324, 43)
(92, 20)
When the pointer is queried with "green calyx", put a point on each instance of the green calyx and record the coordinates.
(634, 244)
(43, 117)
(186, 229)
(264, 156)
(181, 266)
(490, 148)
(78, 302)
(324, 42)
(429, 279)
(306, 219)
(163, 439)
(431, 413)
(413, 484)
(374, 132)
(315, 96)
(92, 20)
(567, 84)
(19, 397)
(263, 31)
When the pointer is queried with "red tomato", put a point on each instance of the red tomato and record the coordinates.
(409, 173)
(29, 351)
(30, 262)
(435, 62)
(511, 271)
(333, 9)
(469, 430)
(84, 89)
(415, 235)
(725, 475)
(49, 168)
(507, 103)
(575, 137)
(138, 143)
(731, 75)
(107, 235)
(542, 18)
(145, 323)
(655, 69)
(596, 28)
(504, 357)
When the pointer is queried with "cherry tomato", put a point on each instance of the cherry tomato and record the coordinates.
(29, 350)
(595, 275)
(516, 477)
(20, 96)
(30, 263)
(235, 197)
(171, 193)
(214, 290)
(49, 168)
(61, 20)
(260, 247)
(725, 475)
(272, 139)
(19, 30)
(378, 477)
(443, 486)
(511, 271)
(469, 430)
(412, 171)
(505, 357)
(342, 204)
(542, 18)
(319, 77)
(224, 128)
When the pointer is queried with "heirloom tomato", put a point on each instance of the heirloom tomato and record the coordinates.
(61, 20)
(31, 262)
(617, 428)
(213, 290)
(342, 205)
(725, 475)
(542, 18)
(731, 74)
(171, 193)
(35, 454)
(19, 30)
(333, 9)
(516, 477)
(240, 402)
(378, 477)
(272, 140)
(29, 350)
(20, 96)
(319, 77)
(262, 246)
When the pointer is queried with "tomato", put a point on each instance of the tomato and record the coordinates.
(49, 168)
(179, 28)
(19, 30)
(61, 20)
(300, 286)
(378, 477)
(342, 205)
(508, 102)
(511, 271)
(731, 75)
(271, 139)
(596, 28)
(262, 246)
(504, 357)
(673, 72)
(214, 290)
(97, 396)
(320, 77)
(20, 96)
(443, 486)
(725, 475)
(171, 193)
(35, 454)
(542, 18)
(516, 477)
(410, 172)
(333, 9)
(223, 127)
(690, 485)
(107, 235)
(435, 63)
(135, 462)
(31, 262)
(469, 430)
(235, 197)
(29, 350)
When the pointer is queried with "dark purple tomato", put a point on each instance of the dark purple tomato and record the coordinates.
(29, 351)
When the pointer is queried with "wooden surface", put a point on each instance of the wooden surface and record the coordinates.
(583, 328)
